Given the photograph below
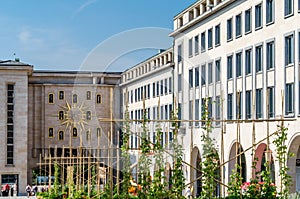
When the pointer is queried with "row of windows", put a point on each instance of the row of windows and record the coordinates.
(258, 22)
(60, 133)
(159, 88)
(163, 112)
(61, 96)
(87, 115)
(10, 125)
(165, 139)
(209, 73)
(194, 42)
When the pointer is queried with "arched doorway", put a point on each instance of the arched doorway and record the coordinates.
(196, 173)
(293, 164)
(241, 161)
(262, 155)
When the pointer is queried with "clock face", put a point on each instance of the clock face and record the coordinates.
(75, 116)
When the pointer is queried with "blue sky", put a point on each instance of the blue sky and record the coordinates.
(67, 35)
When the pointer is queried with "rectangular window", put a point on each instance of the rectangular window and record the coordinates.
(170, 85)
(210, 38)
(179, 82)
(239, 107)
(203, 75)
(248, 21)
(50, 98)
(74, 98)
(203, 42)
(166, 86)
(270, 55)
(238, 25)
(203, 108)
(288, 7)
(196, 44)
(196, 76)
(258, 103)
(218, 70)
(10, 125)
(248, 103)
(229, 67)
(217, 35)
(271, 102)
(258, 58)
(191, 78)
(153, 90)
(179, 54)
(161, 87)
(289, 99)
(269, 11)
(289, 50)
(229, 107)
(148, 91)
(229, 29)
(258, 16)
(218, 109)
(197, 108)
(190, 112)
(157, 88)
(238, 64)
(248, 61)
(190, 47)
(210, 73)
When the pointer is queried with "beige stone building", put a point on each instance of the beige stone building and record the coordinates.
(47, 113)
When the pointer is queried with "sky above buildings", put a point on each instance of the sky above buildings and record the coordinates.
(86, 34)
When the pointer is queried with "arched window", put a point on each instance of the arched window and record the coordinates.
(61, 115)
(75, 134)
(99, 99)
(88, 95)
(88, 115)
(50, 132)
(51, 98)
(61, 95)
(74, 98)
(60, 135)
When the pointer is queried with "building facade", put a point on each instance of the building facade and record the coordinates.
(244, 57)
(54, 114)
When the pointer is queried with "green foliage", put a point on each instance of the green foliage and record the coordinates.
(282, 156)
(126, 157)
(235, 184)
(178, 175)
(209, 165)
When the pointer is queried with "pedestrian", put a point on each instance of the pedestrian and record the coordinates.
(28, 190)
(34, 189)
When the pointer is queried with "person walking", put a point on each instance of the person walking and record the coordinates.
(28, 190)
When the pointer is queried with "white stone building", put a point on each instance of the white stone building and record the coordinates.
(245, 54)
(151, 82)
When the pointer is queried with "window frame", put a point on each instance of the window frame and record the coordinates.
(218, 70)
(59, 135)
(270, 60)
(286, 52)
(229, 72)
(248, 68)
(259, 101)
(190, 47)
(98, 98)
(286, 15)
(49, 101)
(229, 30)
(88, 95)
(49, 136)
(217, 35)
(239, 64)
(250, 21)
(257, 63)
(238, 27)
(73, 132)
(258, 18)
(196, 44)
(289, 102)
(61, 95)
(269, 20)
(203, 42)
(210, 38)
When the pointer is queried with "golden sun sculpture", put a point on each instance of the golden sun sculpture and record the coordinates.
(75, 115)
